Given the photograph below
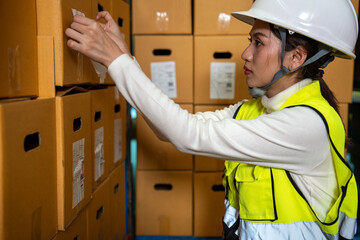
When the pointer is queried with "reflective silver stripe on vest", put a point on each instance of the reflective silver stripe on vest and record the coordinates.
(230, 216)
(347, 226)
(295, 231)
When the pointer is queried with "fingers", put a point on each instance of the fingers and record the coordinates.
(106, 15)
(72, 34)
(78, 27)
(82, 20)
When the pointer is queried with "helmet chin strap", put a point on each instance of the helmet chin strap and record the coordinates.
(259, 92)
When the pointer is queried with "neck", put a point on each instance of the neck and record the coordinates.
(283, 83)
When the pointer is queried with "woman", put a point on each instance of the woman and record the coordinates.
(285, 175)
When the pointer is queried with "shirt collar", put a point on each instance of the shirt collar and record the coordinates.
(274, 103)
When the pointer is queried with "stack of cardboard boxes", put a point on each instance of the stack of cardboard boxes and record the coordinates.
(63, 128)
(196, 60)
(163, 46)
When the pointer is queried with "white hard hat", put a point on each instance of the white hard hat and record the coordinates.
(331, 22)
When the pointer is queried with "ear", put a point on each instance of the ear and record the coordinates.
(296, 57)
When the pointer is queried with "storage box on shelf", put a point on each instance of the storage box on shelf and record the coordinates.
(18, 49)
(213, 17)
(154, 154)
(208, 204)
(28, 170)
(218, 73)
(117, 202)
(161, 17)
(168, 61)
(164, 203)
(74, 160)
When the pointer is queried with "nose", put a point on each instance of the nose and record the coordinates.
(247, 55)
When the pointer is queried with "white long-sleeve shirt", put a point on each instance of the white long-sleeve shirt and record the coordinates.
(294, 139)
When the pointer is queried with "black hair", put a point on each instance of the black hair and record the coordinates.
(313, 70)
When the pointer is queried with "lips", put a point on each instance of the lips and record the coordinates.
(247, 71)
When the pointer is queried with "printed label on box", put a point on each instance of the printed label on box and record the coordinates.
(117, 139)
(222, 80)
(99, 160)
(163, 76)
(78, 172)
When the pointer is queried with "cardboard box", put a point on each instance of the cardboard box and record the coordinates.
(161, 17)
(208, 204)
(154, 154)
(213, 17)
(202, 163)
(74, 173)
(118, 120)
(28, 170)
(168, 61)
(101, 130)
(120, 11)
(164, 203)
(117, 203)
(18, 50)
(68, 66)
(356, 5)
(344, 113)
(77, 229)
(98, 213)
(339, 76)
(98, 6)
(219, 75)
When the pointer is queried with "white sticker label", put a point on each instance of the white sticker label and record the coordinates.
(222, 80)
(117, 139)
(99, 160)
(78, 172)
(163, 76)
(76, 12)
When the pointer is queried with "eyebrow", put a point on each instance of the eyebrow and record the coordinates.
(256, 34)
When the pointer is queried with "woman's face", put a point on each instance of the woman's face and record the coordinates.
(262, 56)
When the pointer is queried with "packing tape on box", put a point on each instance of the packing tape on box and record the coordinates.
(162, 21)
(13, 69)
(223, 22)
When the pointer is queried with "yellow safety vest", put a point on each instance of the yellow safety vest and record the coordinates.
(269, 195)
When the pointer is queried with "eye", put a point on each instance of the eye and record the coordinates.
(257, 42)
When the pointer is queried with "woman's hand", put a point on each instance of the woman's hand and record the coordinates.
(89, 37)
(113, 31)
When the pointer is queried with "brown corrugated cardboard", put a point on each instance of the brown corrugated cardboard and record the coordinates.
(161, 17)
(202, 163)
(154, 154)
(344, 113)
(18, 49)
(339, 76)
(117, 112)
(53, 17)
(73, 131)
(208, 204)
(356, 5)
(213, 17)
(28, 170)
(164, 203)
(98, 213)
(168, 61)
(101, 135)
(219, 76)
(97, 6)
(77, 229)
(117, 203)
(120, 11)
